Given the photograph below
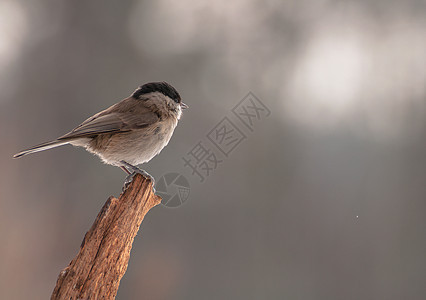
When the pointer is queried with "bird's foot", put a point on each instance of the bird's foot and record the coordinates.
(136, 170)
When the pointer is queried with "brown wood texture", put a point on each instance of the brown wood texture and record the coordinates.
(96, 271)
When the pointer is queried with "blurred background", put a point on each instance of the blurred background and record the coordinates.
(325, 199)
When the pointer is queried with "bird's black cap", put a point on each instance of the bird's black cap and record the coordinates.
(162, 87)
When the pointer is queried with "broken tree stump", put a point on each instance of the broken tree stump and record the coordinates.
(96, 271)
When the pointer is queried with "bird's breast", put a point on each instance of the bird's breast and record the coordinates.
(136, 146)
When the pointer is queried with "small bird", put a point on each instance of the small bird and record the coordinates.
(130, 132)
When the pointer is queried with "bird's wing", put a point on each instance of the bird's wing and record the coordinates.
(109, 122)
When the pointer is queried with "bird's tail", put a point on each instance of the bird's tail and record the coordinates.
(41, 147)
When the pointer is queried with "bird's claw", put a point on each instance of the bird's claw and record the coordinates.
(145, 174)
(136, 170)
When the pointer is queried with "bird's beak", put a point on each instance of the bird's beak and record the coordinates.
(183, 105)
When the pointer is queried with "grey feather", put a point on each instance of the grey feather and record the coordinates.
(41, 147)
(113, 122)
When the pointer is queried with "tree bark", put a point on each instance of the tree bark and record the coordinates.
(96, 271)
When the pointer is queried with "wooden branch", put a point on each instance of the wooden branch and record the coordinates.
(96, 271)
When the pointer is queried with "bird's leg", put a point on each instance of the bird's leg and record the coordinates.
(135, 169)
(126, 166)
(125, 170)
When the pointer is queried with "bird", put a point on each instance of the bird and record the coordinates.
(128, 133)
